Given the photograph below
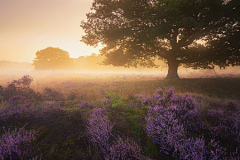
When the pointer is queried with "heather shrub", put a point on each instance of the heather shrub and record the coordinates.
(19, 87)
(216, 151)
(146, 101)
(85, 104)
(164, 128)
(224, 126)
(143, 100)
(99, 129)
(16, 144)
(52, 95)
(51, 107)
(232, 106)
(26, 80)
(169, 127)
(99, 133)
(185, 131)
(18, 107)
(124, 149)
(192, 148)
(165, 98)
(169, 93)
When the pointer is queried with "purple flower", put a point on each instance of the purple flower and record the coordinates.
(14, 144)
(124, 149)
(158, 95)
(146, 101)
(85, 104)
(99, 129)
(171, 122)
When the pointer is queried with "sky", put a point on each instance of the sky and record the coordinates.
(27, 26)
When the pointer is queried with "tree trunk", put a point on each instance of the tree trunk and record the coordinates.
(172, 69)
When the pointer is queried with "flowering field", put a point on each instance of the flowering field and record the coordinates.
(119, 117)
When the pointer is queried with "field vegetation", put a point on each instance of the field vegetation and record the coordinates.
(119, 116)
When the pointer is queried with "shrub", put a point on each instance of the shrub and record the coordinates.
(15, 144)
(99, 133)
(99, 129)
(114, 100)
(51, 106)
(185, 132)
(17, 108)
(232, 106)
(53, 95)
(124, 149)
(85, 104)
(146, 101)
(19, 87)
(165, 98)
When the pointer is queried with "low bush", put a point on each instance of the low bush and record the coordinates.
(16, 144)
(187, 132)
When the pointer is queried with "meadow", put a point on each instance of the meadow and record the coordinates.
(119, 116)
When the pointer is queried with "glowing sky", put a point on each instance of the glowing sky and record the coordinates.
(27, 26)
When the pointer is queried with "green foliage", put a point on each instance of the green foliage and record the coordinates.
(151, 150)
(135, 32)
(116, 100)
(134, 116)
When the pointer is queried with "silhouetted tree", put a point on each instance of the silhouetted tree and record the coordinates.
(181, 32)
(52, 58)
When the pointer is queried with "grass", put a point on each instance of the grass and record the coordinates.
(95, 89)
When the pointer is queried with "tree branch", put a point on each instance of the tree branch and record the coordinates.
(196, 34)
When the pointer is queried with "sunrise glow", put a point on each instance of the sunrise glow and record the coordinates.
(28, 26)
(162, 82)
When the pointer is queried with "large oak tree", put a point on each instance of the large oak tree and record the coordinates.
(192, 33)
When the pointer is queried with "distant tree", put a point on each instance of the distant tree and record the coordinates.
(93, 61)
(52, 58)
(181, 32)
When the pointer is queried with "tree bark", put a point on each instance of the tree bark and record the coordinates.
(172, 69)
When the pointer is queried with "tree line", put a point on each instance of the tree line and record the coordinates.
(52, 58)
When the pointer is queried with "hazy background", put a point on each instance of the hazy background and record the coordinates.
(27, 26)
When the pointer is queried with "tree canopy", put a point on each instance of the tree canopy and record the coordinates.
(52, 58)
(193, 33)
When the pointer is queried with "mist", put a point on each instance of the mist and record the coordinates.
(14, 70)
